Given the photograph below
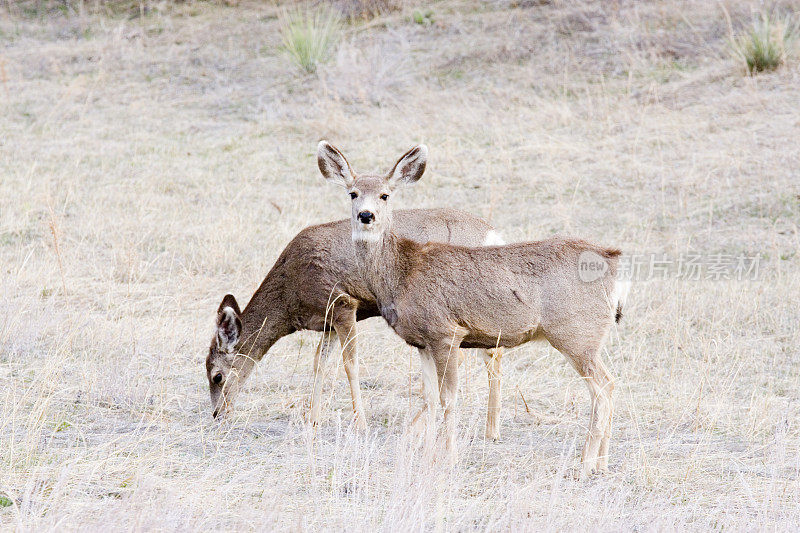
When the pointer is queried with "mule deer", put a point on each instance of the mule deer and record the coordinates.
(315, 284)
(439, 297)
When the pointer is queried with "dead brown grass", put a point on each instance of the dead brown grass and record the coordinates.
(366, 10)
(176, 151)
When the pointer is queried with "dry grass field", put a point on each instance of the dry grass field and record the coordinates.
(152, 160)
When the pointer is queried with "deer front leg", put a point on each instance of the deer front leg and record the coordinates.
(492, 359)
(320, 364)
(346, 329)
(430, 393)
(447, 374)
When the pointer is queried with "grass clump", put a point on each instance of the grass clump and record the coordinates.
(422, 16)
(309, 36)
(767, 44)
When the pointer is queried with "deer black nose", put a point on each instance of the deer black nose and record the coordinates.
(218, 378)
(366, 217)
(216, 413)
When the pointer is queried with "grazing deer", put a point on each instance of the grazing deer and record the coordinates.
(440, 297)
(315, 284)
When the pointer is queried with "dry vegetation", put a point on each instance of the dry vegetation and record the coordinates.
(152, 160)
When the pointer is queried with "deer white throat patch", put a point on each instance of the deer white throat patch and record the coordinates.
(364, 235)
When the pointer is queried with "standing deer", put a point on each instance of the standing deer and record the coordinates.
(315, 284)
(440, 297)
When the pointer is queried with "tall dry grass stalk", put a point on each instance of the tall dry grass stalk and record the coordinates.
(4, 74)
(56, 245)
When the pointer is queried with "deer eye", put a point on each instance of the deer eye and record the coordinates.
(384, 197)
(353, 195)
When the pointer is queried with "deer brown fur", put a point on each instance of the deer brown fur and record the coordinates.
(441, 297)
(315, 284)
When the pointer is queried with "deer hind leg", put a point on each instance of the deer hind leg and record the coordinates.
(492, 359)
(600, 387)
(345, 327)
(602, 459)
(320, 364)
(594, 456)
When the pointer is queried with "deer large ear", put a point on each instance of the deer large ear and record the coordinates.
(333, 165)
(229, 324)
(410, 167)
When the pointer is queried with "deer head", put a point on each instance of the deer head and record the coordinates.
(371, 194)
(221, 367)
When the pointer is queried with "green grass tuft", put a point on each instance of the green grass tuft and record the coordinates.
(309, 36)
(422, 16)
(767, 44)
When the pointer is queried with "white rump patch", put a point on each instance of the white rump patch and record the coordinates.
(620, 294)
(493, 239)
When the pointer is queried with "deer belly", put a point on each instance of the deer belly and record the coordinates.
(501, 338)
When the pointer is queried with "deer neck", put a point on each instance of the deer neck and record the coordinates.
(265, 319)
(380, 264)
